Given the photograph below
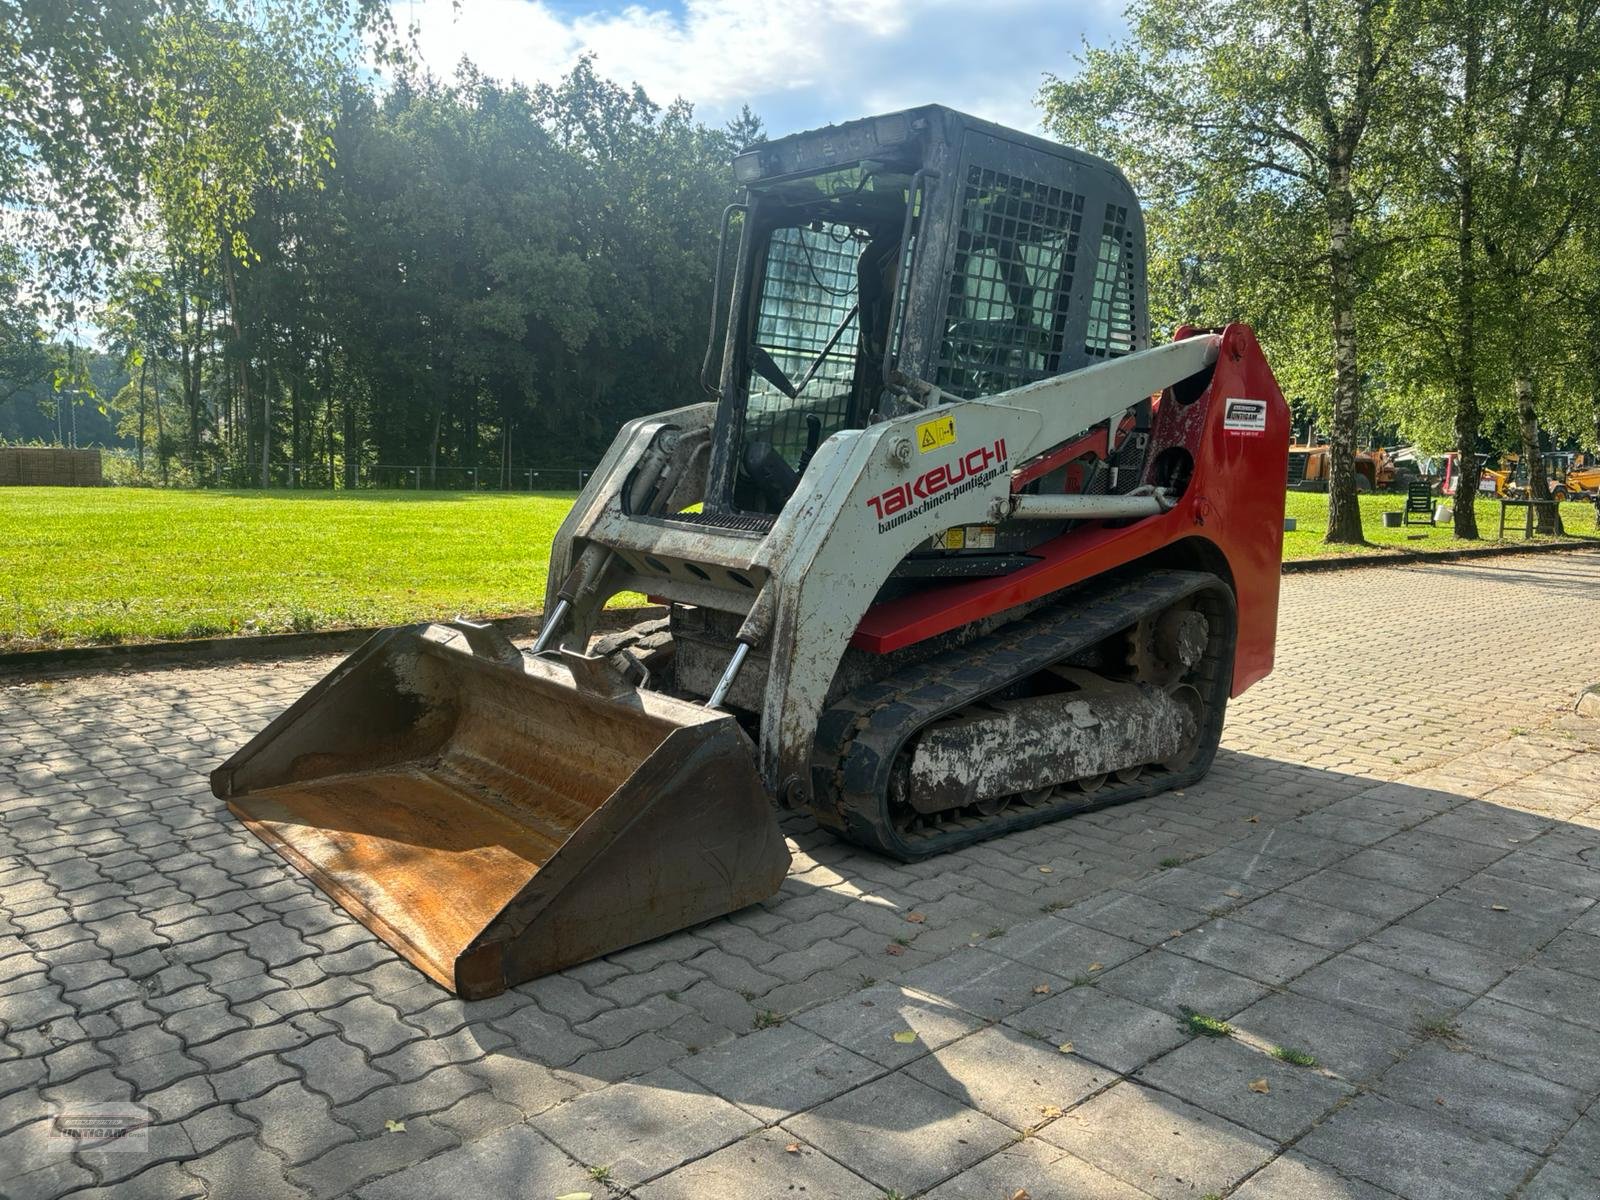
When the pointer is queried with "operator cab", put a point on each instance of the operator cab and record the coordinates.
(923, 245)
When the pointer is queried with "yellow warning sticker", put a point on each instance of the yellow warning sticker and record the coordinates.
(941, 431)
(955, 539)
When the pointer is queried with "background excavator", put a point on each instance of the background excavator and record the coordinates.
(951, 551)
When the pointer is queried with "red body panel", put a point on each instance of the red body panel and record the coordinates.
(1234, 502)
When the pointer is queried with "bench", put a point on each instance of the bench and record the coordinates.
(1529, 505)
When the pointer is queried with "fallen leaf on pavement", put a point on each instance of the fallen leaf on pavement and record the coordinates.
(1050, 1111)
(1252, 820)
(577, 1196)
(1042, 989)
(1097, 966)
(1047, 870)
(395, 1126)
(1065, 1047)
(905, 1037)
(1237, 895)
(1499, 908)
(916, 918)
(1259, 1085)
(792, 1148)
(895, 949)
(1021, 1194)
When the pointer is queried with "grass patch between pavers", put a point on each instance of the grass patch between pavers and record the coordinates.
(1201, 1025)
(1295, 1058)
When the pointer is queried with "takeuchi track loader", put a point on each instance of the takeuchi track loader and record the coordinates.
(952, 551)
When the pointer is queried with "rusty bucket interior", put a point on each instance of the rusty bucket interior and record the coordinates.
(495, 817)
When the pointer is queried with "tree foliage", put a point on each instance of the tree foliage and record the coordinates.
(1397, 193)
(318, 280)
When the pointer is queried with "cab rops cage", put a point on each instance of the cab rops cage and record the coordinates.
(951, 552)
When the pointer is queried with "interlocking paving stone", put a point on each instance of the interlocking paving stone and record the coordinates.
(1102, 1027)
(645, 1127)
(1558, 1181)
(1551, 993)
(1349, 1045)
(778, 1072)
(140, 925)
(1497, 1100)
(1266, 957)
(506, 1163)
(1063, 948)
(984, 984)
(1479, 925)
(899, 1133)
(1417, 1154)
(1039, 1169)
(1545, 1046)
(1015, 1078)
(1158, 1142)
(345, 1167)
(1400, 869)
(1174, 984)
(1456, 964)
(1292, 1176)
(1137, 918)
(1217, 1074)
(866, 1021)
(1307, 921)
(1382, 993)
(761, 1167)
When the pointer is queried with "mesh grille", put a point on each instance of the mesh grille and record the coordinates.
(809, 286)
(1015, 253)
(1111, 315)
(750, 522)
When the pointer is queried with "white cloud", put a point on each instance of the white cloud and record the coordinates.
(796, 62)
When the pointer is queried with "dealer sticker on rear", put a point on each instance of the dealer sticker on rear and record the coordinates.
(1245, 416)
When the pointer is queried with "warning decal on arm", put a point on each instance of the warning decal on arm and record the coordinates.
(941, 431)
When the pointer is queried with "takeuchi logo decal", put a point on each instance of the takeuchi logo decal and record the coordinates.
(907, 501)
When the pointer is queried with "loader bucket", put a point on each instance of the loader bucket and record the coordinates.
(494, 818)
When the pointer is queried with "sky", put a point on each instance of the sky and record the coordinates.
(798, 63)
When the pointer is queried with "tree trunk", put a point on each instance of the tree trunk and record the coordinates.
(1344, 510)
(266, 421)
(236, 323)
(144, 366)
(1528, 421)
(161, 435)
(1466, 424)
(352, 454)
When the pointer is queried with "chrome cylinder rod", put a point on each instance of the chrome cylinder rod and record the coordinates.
(1085, 508)
(720, 692)
(551, 624)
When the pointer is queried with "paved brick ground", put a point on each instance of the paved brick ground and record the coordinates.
(1392, 870)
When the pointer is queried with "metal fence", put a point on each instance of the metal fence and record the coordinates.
(320, 476)
(401, 476)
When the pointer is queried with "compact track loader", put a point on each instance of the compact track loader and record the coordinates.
(951, 551)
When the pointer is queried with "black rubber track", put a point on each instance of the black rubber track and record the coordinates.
(860, 736)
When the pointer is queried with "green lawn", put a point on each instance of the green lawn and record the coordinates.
(129, 564)
(1310, 509)
(126, 564)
